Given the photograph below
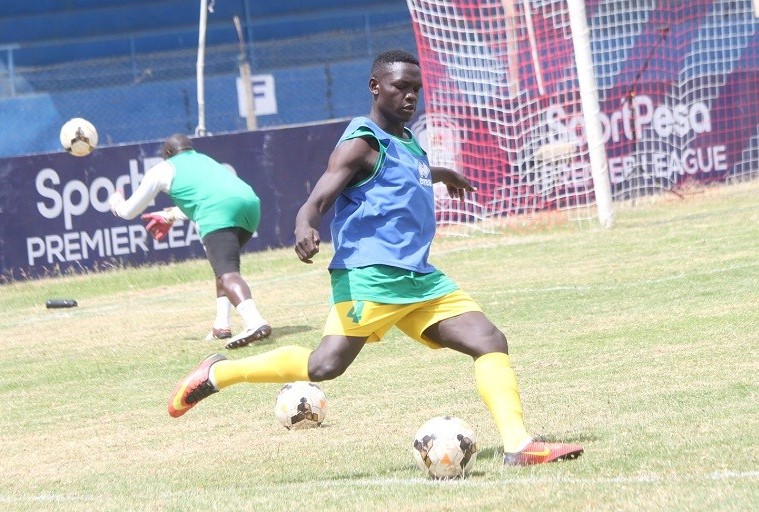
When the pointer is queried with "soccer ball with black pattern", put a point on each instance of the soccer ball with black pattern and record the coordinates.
(300, 405)
(79, 136)
(445, 447)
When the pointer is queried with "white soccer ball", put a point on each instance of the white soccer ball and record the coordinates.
(300, 405)
(79, 136)
(445, 447)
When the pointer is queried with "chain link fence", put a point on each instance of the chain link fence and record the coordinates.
(264, 57)
(108, 91)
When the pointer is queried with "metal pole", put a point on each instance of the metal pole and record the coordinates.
(11, 73)
(246, 79)
(201, 128)
(11, 67)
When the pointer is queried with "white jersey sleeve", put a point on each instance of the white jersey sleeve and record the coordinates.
(157, 179)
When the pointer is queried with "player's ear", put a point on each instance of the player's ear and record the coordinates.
(374, 86)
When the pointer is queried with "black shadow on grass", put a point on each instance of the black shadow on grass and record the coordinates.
(287, 330)
(279, 332)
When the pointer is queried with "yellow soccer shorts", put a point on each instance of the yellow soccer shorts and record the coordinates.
(371, 320)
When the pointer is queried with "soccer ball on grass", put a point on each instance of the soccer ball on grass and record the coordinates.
(300, 405)
(79, 136)
(445, 447)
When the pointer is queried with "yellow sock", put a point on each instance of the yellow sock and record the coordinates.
(497, 385)
(284, 364)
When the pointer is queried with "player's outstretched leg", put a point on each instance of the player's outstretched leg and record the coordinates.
(193, 388)
(283, 364)
(539, 452)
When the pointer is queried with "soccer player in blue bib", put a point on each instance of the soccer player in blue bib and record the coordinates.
(380, 182)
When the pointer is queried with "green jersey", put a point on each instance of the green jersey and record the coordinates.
(211, 195)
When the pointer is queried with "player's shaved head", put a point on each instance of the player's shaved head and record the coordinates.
(391, 57)
(175, 144)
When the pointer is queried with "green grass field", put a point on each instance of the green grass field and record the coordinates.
(639, 342)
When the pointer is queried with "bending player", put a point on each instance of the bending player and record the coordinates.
(226, 211)
(379, 179)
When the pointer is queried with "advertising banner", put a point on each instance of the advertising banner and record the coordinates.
(55, 218)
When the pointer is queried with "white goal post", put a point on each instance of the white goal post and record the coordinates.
(591, 112)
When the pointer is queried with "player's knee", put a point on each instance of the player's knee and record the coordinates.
(494, 341)
(499, 340)
(229, 278)
(321, 370)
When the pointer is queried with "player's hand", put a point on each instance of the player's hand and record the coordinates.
(458, 185)
(306, 244)
(455, 182)
(158, 224)
(116, 200)
(459, 192)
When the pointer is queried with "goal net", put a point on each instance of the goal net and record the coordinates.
(675, 82)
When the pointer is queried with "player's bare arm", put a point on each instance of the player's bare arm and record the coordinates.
(456, 183)
(350, 162)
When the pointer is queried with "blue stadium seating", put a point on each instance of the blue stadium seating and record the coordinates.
(50, 32)
(325, 44)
